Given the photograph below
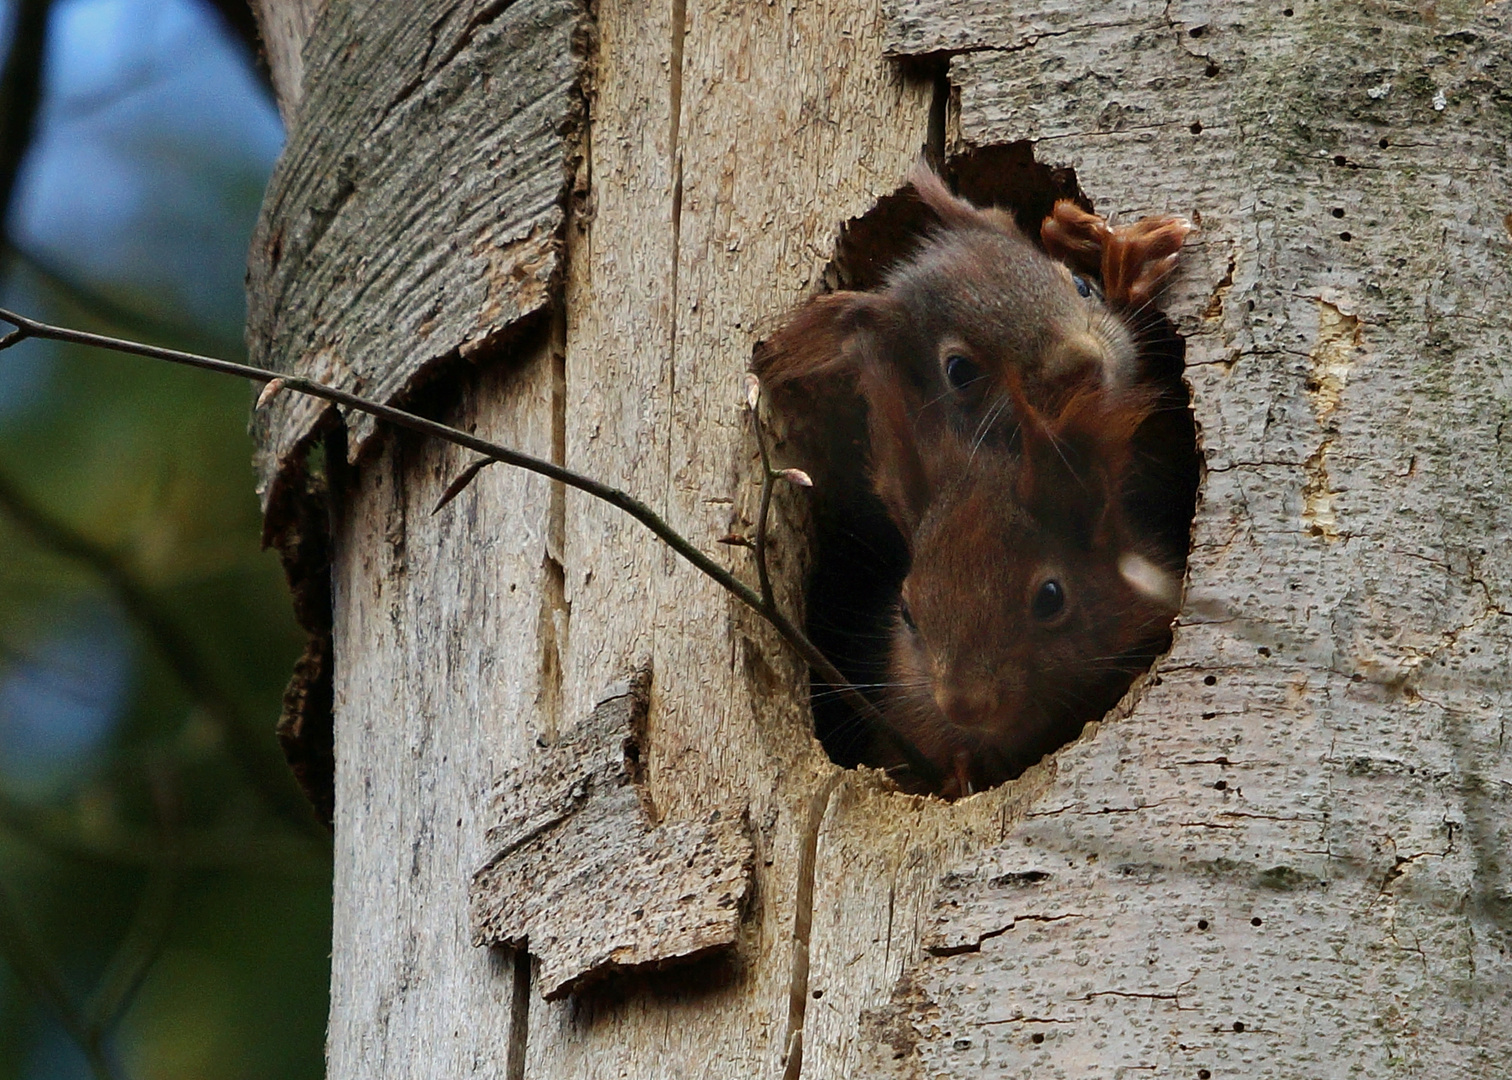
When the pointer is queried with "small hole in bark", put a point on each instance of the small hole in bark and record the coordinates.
(1209, 715)
(1196, 128)
(1337, 211)
(1220, 785)
(1256, 921)
(1037, 1038)
(860, 556)
(1210, 680)
(818, 994)
(1340, 160)
(1197, 31)
(1202, 924)
(1345, 236)
(1238, 1025)
(1203, 1074)
(1287, 12)
(1210, 70)
(1384, 143)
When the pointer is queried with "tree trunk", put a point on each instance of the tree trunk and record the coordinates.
(1286, 854)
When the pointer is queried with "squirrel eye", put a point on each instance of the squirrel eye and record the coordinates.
(905, 614)
(1083, 287)
(1049, 599)
(960, 372)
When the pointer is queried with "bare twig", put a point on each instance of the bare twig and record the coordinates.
(457, 486)
(785, 627)
(768, 480)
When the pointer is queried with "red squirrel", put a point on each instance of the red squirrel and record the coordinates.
(978, 301)
(1002, 395)
(1030, 603)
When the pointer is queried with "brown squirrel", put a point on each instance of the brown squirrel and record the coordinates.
(978, 302)
(1003, 396)
(1030, 603)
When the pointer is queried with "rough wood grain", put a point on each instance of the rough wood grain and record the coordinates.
(728, 721)
(584, 876)
(1323, 749)
(931, 27)
(445, 129)
(284, 26)
(438, 681)
(1290, 857)
(727, 144)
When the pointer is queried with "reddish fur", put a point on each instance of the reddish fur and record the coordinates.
(1075, 237)
(817, 340)
(988, 500)
(1133, 260)
(979, 685)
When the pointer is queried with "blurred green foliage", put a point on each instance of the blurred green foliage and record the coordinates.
(161, 880)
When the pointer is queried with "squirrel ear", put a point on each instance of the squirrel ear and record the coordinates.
(1136, 259)
(953, 211)
(897, 466)
(1075, 463)
(1075, 237)
(819, 338)
(1132, 260)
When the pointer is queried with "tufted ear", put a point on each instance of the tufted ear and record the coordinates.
(1133, 261)
(897, 464)
(1075, 237)
(1137, 259)
(823, 337)
(953, 211)
(1076, 461)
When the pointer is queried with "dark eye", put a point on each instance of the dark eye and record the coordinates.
(1083, 288)
(905, 614)
(1049, 599)
(960, 372)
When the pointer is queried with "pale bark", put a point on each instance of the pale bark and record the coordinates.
(283, 26)
(1287, 855)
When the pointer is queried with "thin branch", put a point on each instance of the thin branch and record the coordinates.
(768, 481)
(275, 383)
(174, 646)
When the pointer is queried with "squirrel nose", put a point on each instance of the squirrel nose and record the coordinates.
(967, 707)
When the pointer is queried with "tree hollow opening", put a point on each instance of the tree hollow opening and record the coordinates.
(1033, 581)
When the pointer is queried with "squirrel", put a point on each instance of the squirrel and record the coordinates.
(978, 301)
(1004, 397)
(1030, 602)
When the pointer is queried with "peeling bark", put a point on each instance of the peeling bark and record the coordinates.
(1287, 853)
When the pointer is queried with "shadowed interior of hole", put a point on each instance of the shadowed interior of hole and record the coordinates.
(860, 559)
